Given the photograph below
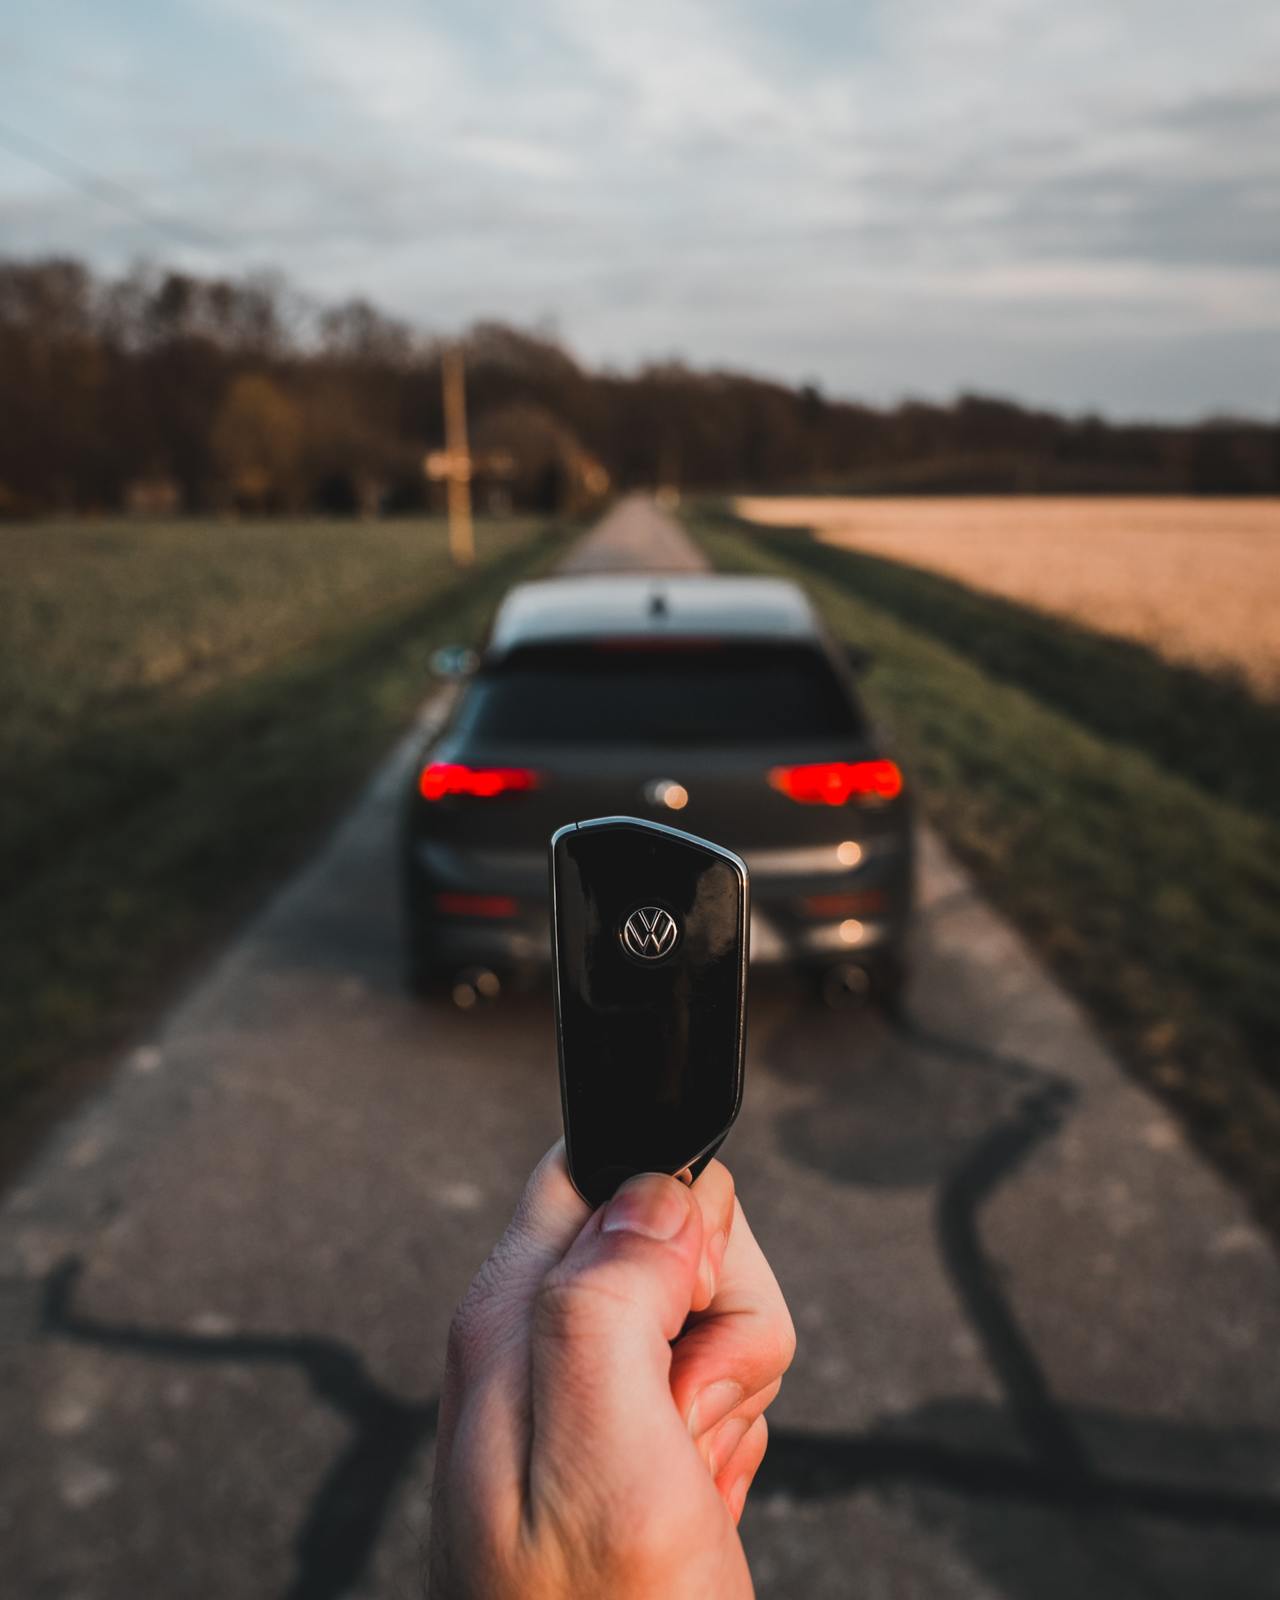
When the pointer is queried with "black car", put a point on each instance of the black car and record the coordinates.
(717, 704)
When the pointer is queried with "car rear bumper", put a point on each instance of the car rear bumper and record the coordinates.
(784, 931)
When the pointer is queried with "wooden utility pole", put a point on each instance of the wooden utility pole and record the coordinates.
(455, 466)
(462, 544)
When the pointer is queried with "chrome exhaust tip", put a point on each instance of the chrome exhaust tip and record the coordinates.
(845, 987)
(475, 986)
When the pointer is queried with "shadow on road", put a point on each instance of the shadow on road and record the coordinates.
(1157, 1529)
(906, 1117)
(342, 1523)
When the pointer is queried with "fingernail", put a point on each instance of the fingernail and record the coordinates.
(723, 1442)
(712, 1404)
(737, 1497)
(649, 1205)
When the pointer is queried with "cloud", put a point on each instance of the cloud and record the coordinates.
(905, 194)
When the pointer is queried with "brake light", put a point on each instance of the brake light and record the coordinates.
(835, 783)
(476, 905)
(861, 903)
(443, 778)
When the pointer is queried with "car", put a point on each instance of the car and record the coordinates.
(717, 704)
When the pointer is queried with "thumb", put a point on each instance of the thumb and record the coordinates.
(603, 1323)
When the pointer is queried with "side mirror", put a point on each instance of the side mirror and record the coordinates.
(454, 661)
(860, 660)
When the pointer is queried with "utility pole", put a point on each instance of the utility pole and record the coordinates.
(462, 544)
(455, 466)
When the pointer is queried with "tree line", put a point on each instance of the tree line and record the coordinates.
(163, 391)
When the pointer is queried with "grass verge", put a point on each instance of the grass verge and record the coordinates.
(1155, 901)
(1211, 728)
(152, 822)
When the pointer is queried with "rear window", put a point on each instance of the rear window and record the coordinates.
(695, 694)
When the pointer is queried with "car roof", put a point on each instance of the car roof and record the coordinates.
(612, 605)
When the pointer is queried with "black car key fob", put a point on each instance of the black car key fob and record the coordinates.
(649, 934)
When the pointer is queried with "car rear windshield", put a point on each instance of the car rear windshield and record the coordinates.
(695, 693)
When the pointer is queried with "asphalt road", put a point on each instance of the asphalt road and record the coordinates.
(1039, 1341)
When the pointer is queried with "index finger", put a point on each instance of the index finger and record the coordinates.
(713, 1191)
(490, 1325)
(740, 1346)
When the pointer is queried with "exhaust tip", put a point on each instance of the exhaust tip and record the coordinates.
(845, 987)
(475, 986)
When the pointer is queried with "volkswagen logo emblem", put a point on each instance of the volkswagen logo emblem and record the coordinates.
(650, 933)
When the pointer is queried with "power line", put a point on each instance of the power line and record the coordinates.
(105, 189)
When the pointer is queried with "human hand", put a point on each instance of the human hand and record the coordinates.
(604, 1398)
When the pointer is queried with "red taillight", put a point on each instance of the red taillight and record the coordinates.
(835, 783)
(476, 905)
(442, 778)
(862, 903)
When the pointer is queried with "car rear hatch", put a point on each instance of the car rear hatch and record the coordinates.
(698, 734)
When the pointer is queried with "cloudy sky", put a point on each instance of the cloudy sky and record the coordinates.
(1074, 202)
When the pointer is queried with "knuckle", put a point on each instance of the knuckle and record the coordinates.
(570, 1307)
(784, 1340)
(483, 1322)
(460, 1344)
(769, 1394)
(719, 1179)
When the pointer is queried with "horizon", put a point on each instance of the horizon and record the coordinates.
(637, 370)
(1076, 212)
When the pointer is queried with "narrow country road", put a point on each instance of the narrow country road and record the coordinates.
(1038, 1339)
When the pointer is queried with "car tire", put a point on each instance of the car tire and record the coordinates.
(889, 986)
(423, 974)
(423, 982)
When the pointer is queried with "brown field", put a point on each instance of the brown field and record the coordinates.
(1198, 580)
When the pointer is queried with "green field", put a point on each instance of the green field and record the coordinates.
(1120, 811)
(184, 707)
